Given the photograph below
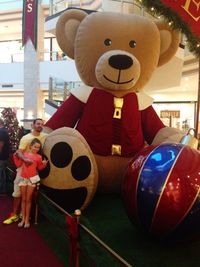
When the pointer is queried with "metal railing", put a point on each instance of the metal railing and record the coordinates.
(12, 58)
(59, 89)
(84, 231)
(43, 56)
(57, 6)
(15, 4)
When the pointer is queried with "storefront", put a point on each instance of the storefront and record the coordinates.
(180, 115)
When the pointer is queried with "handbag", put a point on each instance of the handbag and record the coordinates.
(35, 179)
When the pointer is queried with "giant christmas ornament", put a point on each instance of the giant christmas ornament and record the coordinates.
(161, 189)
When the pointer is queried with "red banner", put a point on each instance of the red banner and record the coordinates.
(189, 11)
(29, 26)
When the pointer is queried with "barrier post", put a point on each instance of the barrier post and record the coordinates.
(73, 231)
(77, 213)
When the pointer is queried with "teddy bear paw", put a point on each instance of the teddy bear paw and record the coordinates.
(70, 177)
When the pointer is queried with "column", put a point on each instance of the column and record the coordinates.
(33, 95)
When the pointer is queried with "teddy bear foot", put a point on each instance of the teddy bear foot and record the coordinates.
(70, 177)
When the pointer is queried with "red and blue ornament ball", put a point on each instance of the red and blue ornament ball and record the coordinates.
(161, 190)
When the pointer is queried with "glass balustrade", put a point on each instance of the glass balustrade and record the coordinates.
(57, 6)
(59, 90)
(15, 4)
(43, 56)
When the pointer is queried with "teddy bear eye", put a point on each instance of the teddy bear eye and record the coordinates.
(132, 43)
(107, 42)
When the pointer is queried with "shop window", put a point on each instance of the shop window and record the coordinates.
(180, 115)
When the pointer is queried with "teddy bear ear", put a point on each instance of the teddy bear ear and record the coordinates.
(169, 42)
(66, 29)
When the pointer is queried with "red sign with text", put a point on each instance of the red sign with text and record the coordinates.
(30, 9)
(189, 11)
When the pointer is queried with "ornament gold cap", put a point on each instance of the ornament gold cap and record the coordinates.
(77, 212)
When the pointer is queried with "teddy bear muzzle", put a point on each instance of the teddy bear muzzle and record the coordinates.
(117, 70)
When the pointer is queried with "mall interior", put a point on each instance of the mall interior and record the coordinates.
(174, 86)
(34, 83)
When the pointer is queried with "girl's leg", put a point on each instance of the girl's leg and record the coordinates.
(23, 190)
(29, 195)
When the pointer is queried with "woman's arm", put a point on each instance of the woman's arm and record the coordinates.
(18, 162)
(20, 154)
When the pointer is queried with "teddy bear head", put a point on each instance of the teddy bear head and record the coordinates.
(113, 51)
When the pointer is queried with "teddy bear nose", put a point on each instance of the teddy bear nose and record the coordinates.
(120, 62)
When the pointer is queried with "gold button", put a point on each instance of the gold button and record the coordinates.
(116, 149)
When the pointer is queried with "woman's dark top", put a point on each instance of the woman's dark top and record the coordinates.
(4, 154)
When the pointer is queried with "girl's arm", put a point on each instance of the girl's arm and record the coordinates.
(41, 164)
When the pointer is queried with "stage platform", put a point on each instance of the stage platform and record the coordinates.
(106, 218)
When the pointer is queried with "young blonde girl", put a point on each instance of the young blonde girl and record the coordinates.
(27, 173)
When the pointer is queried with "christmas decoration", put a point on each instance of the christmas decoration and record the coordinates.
(12, 125)
(161, 190)
(29, 26)
(177, 21)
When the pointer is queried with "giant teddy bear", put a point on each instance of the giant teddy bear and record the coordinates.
(107, 121)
